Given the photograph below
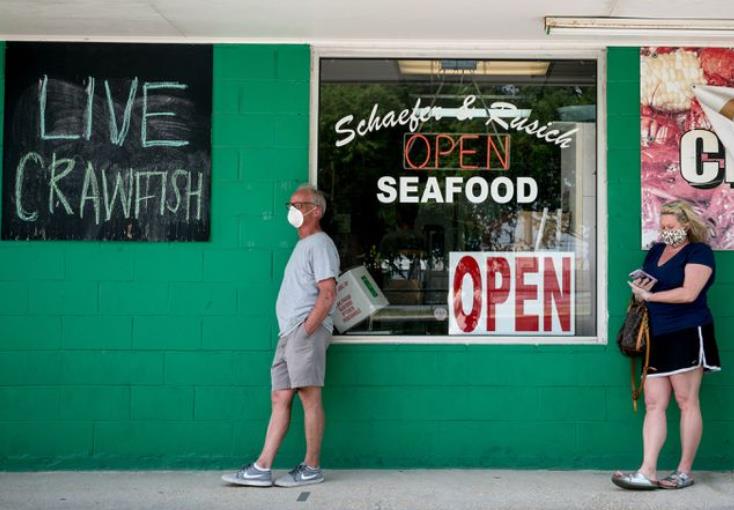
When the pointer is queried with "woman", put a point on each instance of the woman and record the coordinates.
(682, 345)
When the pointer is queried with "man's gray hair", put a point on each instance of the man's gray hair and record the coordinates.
(316, 195)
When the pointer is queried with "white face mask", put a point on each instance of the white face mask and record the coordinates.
(673, 236)
(295, 217)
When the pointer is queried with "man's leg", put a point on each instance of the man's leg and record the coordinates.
(654, 428)
(280, 418)
(313, 413)
(306, 369)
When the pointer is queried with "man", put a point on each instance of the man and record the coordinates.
(305, 309)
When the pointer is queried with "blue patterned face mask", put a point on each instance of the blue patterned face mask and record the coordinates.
(673, 236)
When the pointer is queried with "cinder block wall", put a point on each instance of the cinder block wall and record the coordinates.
(157, 354)
(717, 393)
(135, 355)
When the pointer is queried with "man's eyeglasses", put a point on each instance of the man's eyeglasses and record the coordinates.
(298, 205)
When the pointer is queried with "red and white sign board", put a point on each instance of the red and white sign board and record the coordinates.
(512, 293)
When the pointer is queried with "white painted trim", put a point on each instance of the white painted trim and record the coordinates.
(376, 50)
(602, 211)
(464, 340)
(313, 118)
(529, 45)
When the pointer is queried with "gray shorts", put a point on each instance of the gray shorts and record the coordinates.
(300, 359)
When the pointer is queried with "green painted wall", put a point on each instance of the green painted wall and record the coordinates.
(164, 361)
(623, 146)
(157, 354)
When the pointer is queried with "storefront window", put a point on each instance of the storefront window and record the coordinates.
(467, 188)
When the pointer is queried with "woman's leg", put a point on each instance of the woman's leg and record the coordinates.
(686, 387)
(654, 429)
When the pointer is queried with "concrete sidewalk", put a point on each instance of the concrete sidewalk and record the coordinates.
(362, 490)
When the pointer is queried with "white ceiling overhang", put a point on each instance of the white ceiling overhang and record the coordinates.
(373, 23)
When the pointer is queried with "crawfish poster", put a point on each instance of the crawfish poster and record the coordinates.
(687, 136)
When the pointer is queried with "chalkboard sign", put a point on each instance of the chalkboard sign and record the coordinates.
(107, 141)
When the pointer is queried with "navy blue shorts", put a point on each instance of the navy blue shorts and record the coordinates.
(684, 350)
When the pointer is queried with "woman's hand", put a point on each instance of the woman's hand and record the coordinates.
(645, 283)
(641, 289)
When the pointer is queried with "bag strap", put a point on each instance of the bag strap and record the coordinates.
(641, 332)
(636, 392)
(647, 353)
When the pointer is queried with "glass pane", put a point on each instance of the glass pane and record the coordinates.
(504, 162)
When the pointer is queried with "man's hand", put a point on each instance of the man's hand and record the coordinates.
(309, 329)
(327, 296)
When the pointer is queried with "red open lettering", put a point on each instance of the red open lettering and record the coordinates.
(409, 145)
(503, 156)
(519, 288)
(552, 292)
(463, 151)
(525, 292)
(467, 322)
(496, 293)
(440, 152)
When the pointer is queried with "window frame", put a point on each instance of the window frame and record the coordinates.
(599, 55)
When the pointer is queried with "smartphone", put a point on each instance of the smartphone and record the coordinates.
(639, 273)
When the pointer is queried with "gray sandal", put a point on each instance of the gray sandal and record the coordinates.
(676, 480)
(633, 481)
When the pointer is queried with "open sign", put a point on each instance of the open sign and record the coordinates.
(465, 151)
(514, 293)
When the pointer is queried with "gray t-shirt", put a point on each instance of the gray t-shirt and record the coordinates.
(314, 259)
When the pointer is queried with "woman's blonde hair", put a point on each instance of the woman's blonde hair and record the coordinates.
(698, 230)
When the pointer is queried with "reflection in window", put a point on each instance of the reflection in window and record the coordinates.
(402, 199)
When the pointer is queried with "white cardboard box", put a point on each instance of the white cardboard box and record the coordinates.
(357, 297)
